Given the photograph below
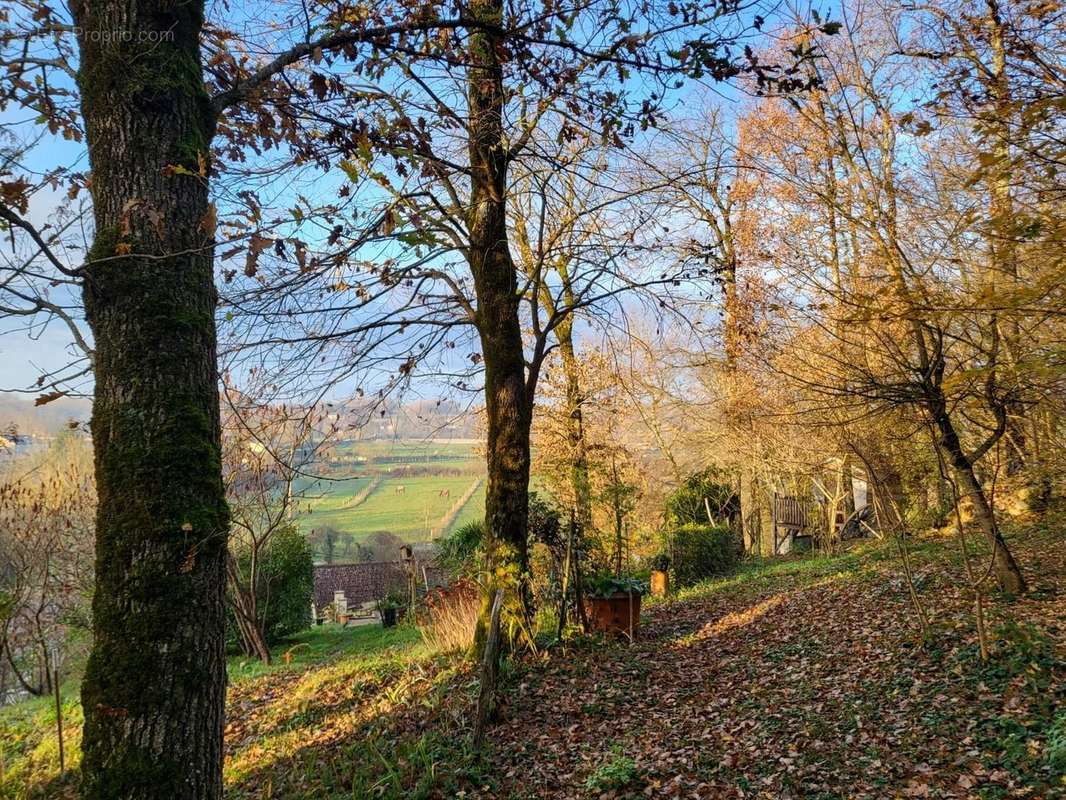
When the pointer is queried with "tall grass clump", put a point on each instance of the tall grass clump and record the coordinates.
(450, 618)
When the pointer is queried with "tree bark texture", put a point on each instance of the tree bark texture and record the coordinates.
(1002, 235)
(1008, 573)
(575, 424)
(154, 688)
(508, 405)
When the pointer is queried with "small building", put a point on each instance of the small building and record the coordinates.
(369, 581)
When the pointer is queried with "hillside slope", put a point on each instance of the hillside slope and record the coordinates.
(791, 679)
(805, 682)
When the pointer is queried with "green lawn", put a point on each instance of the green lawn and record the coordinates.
(332, 494)
(474, 510)
(29, 751)
(379, 447)
(381, 453)
(326, 643)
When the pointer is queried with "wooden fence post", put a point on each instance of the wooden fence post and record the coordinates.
(566, 576)
(59, 708)
(490, 663)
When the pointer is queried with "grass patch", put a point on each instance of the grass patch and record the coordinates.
(1055, 754)
(29, 745)
(757, 574)
(811, 649)
(410, 515)
(322, 656)
(325, 643)
(615, 772)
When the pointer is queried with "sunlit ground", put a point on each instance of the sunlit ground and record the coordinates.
(822, 653)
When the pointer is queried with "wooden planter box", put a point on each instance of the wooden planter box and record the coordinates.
(617, 615)
(660, 583)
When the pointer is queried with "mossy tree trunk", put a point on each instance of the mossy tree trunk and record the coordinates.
(508, 404)
(154, 687)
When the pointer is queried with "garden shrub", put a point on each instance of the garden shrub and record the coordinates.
(702, 551)
(545, 524)
(290, 575)
(459, 552)
(286, 585)
(688, 504)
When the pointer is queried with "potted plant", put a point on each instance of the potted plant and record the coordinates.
(389, 608)
(614, 603)
(660, 575)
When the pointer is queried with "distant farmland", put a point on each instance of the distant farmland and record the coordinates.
(408, 489)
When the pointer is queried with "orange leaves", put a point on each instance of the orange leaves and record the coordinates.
(209, 223)
(256, 245)
(48, 397)
(15, 194)
(802, 684)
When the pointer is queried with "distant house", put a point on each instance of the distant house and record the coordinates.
(370, 580)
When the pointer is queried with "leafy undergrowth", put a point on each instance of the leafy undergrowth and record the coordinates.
(808, 679)
(794, 678)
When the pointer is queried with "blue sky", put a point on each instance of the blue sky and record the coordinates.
(25, 354)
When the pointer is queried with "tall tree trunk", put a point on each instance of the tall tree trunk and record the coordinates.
(619, 518)
(508, 405)
(154, 686)
(579, 462)
(737, 417)
(1002, 235)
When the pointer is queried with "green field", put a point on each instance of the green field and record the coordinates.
(407, 480)
(378, 455)
(473, 510)
(414, 512)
